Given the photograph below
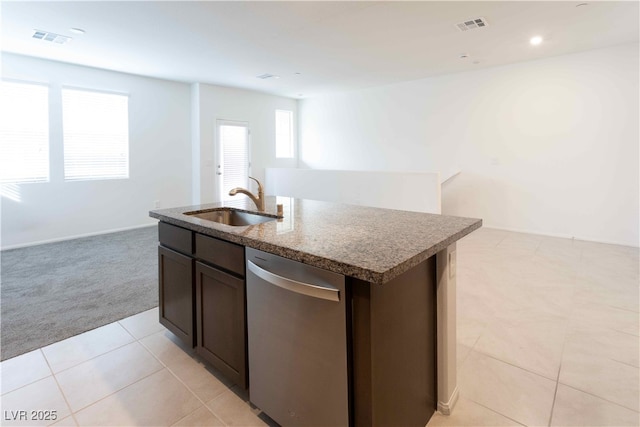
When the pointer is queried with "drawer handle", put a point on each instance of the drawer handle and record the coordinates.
(308, 289)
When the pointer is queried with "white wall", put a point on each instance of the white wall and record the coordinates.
(547, 146)
(217, 102)
(159, 156)
(409, 191)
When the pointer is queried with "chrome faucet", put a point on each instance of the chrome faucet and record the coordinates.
(259, 201)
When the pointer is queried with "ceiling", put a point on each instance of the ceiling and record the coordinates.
(315, 47)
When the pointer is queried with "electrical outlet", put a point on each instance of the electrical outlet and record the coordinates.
(156, 204)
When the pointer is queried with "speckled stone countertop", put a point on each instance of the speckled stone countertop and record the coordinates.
(371, 244)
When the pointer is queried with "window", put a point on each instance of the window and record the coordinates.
(24, 132)
(284, 134)
(96, 135)
(233, 156)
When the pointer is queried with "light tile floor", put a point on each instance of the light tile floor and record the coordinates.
(548, 332)
(548, 335)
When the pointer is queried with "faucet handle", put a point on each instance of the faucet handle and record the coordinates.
(260, 190)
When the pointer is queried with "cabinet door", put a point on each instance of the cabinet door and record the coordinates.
(220, 320)
(176, 296)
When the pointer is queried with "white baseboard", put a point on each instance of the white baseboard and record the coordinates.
(562, 236)
(445, 408)
(76, 236)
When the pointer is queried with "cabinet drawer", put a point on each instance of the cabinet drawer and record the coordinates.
(177, 238)
(221, 253)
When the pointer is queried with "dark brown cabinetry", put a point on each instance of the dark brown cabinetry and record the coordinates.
(394, 348)
(220, 306)
(390, 329)
(175, 280)
(220, 314)
(176, 293)
(202, 297)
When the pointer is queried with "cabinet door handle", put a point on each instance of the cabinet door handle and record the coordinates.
(322, 292)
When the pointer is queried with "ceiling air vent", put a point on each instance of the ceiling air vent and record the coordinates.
(472, 24)
(50, 37)
(267, 76)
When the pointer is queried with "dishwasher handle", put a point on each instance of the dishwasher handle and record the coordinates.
(327, 293)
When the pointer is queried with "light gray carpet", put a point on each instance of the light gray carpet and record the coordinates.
(57, 290)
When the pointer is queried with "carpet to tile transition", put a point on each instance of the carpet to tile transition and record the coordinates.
(57, 290)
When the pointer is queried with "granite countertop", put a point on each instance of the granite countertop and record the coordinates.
(371, 244)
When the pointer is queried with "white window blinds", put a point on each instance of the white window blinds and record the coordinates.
(96, 135)
(234, 145)
(24, 132)
(284, 134)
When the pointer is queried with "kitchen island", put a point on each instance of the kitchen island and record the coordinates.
(399, 287)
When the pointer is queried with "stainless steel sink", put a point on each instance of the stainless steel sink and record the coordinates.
(230, 216)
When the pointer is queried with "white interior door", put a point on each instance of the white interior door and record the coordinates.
(234, 162)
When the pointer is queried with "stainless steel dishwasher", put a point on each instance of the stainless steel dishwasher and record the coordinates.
(296, 321)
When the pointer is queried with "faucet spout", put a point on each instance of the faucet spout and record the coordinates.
(258, 200)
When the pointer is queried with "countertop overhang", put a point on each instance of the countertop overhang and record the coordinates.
(371, 244)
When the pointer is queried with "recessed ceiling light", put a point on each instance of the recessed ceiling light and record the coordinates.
(582, 4)
(464, 56)
(77, 30)
(535, 41)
